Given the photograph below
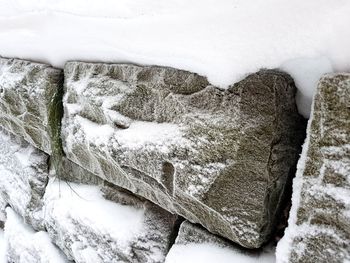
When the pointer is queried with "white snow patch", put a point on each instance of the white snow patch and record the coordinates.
(99, 134)
(28, 244)
(306, 73)
(72, 108)
(8, 79)
(3, 247)
(140, 133)
(85, 203)
(24, 155)
(223, 40)
(209, 253)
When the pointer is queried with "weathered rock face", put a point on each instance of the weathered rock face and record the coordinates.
(23, 178)
(195, 234)
(195, 243)
(29, 95)
(26, 245)
(71, 172)
(89, 228)
(319, 223)
(219, 158)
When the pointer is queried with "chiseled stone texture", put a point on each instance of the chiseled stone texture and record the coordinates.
(25, 245)
(92, 223)
(29, 101)
(23, 178)
(319, 223)
(195, 234)
(220, 158)
(67, 170)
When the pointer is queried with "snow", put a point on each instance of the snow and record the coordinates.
(85, 204)
(223, 40)
(142, 133)
(138, 134)
(99, 134)
(3, 247)
(89, 228)
(209, 253)
(306, 73)
(28, 246)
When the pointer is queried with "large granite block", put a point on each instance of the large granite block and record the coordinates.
(319, 223)
(220, 158)
(93, 224)
(23, 178)
(30, 107)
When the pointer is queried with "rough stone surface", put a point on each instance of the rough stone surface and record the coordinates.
(195, 234)
(23, 178)
(29, 101)
(90, 228)
(193, 241)
(71, 172)
(319, 223)
(27, 246)
(220, 158)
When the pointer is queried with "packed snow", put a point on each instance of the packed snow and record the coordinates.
(3, 247)
(23, 244)
(223, 40)
(85, 203)
(90, 228)
(209, 253)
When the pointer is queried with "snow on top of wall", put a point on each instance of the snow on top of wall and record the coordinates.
(221, 39)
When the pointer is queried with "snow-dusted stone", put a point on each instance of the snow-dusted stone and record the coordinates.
(90, 228)
(196, 244)
(29, 95)
(23, 178)
(71, 172)
(220, 158)
(3, 205)
(25, 245)
(319, 223)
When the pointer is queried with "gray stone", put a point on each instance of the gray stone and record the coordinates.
(29, 102)
(220, 158)
(195, 234)
(71, 172)
(319, 223)
(88, 227)
(23, 178)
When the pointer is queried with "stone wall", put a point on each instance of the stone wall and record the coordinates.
(116, 156)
